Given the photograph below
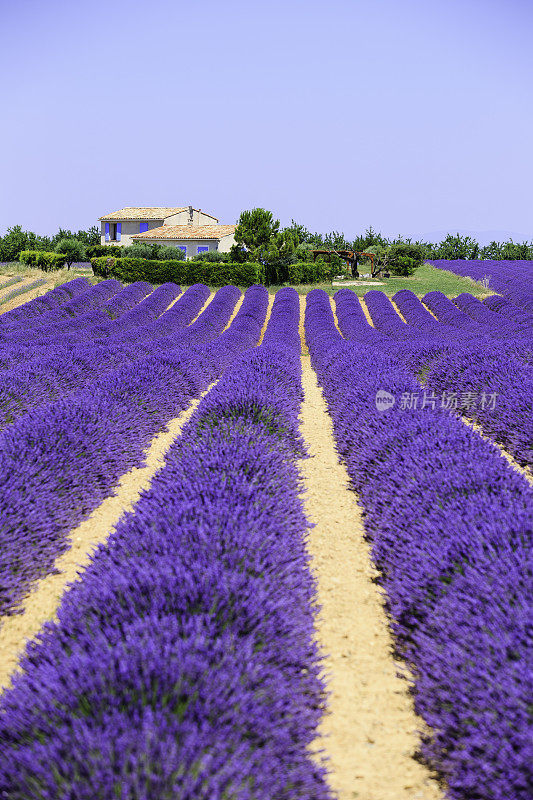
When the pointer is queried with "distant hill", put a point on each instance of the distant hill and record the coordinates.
(483, 237)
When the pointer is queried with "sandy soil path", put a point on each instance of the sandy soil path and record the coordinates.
(398, 311)
(365, 311)
(43, 601)
(26, 296)
(271, 298)
(370, 730)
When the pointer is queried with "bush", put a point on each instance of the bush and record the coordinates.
(211, 273)
(404, 258)
(212, 255)
(40, 259)
(72, 249)
(310, 272)
(97, 250)
(224, 273)
(170, 254)
(403, 265)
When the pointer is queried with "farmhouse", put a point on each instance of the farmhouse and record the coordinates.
(190, 229)
(191, 239)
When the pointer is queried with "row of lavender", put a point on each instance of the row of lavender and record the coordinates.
(477, 360)
(450, 524)
(513, 279)
(184, 663)
(48, 479)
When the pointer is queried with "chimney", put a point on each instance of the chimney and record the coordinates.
(190, 215)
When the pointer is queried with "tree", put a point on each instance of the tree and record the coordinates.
(72, 249)
(17, 240)
(255, 229)
(457, 247)
(89, 237)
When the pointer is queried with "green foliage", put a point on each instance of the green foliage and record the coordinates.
(255, 229)
(303, 252)
(370, 238)
(212, 255)
(89, 237)
(97, 250)
(151, 252)
(259, 240)
(404, 258)
(170, 253)
(212, 273)
(309, 272)
(237, 254)
(409, 249)
(379, 251)
(403, 265)
(40, 259)
(72, 249)
(16, 240)
(223, 273)
(455, 247)
(508, 251)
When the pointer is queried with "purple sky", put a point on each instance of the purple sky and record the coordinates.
(412, 116)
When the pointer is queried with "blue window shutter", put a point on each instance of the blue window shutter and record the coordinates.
(203, 249)
(183, 248)
(107, 231)
(143, 227)
(119, 230)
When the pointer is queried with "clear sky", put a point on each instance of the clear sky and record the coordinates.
(408, 115)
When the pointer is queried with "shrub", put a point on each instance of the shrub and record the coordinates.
(72, 249)
(211, 273)
(170, 254)
(212, 255)
(42, 260)
(223, 273)
(102, 265)
(310, 272)
(97, 250)
(404, 258)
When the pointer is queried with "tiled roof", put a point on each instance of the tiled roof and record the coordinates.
(148, 213)
(187, 232)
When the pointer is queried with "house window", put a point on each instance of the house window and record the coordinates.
(113, 231)
(143, 227)
(183, 248)
(202, 249)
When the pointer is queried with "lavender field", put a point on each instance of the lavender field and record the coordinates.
(184, 659)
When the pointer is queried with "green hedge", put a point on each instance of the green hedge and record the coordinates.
(309, 272)
(129, 270)
(97, 250)
(43, 260)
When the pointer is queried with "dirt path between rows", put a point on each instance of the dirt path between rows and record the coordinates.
(42, 603)
(369, 732)
(45, 597)
(25, 297)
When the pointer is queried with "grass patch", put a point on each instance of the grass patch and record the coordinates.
(425, 279)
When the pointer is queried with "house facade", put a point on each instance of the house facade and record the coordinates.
(120, 227)
(190, 239)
